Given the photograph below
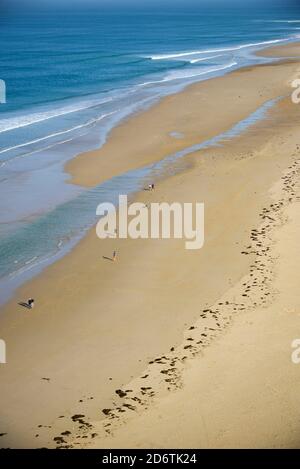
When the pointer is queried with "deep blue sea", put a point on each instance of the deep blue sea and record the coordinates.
(70, 78)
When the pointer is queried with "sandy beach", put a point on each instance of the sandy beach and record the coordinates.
(197, 344)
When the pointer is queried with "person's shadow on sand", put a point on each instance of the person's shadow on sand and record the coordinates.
(107, 258)
(25, 305)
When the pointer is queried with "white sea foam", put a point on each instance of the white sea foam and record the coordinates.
(36, 117)
(30, 261)
(12, 160)
(227, 49)
(194, 61)
(277, 21)
(57, 134)
(188, 74)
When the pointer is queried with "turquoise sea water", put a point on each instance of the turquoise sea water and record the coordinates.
(70, 78)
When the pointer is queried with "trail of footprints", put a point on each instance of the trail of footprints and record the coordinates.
(165, 372)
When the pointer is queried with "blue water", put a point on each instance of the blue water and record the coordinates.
(70, 78)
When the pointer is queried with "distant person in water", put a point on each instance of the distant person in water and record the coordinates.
(30, 303)
(114, 258)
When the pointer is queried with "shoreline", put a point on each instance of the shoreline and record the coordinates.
(164, 168)
(79, 165)
(94, 167)
(99, 302)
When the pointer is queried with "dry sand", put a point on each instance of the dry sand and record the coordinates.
(98, 324)
(237, 389)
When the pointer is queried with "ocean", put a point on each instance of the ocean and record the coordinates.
(70, 78)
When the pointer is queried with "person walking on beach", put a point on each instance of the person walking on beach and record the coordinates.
(30, 303)
(114, 258)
